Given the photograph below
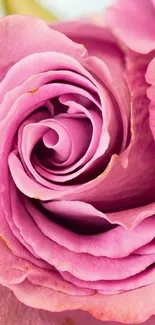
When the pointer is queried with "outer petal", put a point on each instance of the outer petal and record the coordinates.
(133, 22)
(24, 35)
(99, 41)
(131, 308)
(14, 312)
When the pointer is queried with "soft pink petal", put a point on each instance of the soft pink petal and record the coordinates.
(101, 44)
(87, 160)
(36, 69)
(23, 35)
(11, 310)
(133, 22)
(117, 242)
(144, 278)
(75, 130)
(131, 307)
(78, 264)
(100, 306)
(126, 168)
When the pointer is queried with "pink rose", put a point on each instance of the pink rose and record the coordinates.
(77, 156)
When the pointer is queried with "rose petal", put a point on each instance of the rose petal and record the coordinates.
(12, 309)
(114, 243)
(37, 63)
(132, 308)
(75, 130)
(75, 263)
(38, 37)
(144, 278)
(100, 306)
(133, 23)
(101, 44)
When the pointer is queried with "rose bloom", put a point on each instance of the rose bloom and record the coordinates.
(77, 168)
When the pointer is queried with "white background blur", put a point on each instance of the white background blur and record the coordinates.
(71, 9)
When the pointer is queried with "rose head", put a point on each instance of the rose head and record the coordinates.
(77, 175)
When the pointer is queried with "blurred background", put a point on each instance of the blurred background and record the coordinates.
(54, 10)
